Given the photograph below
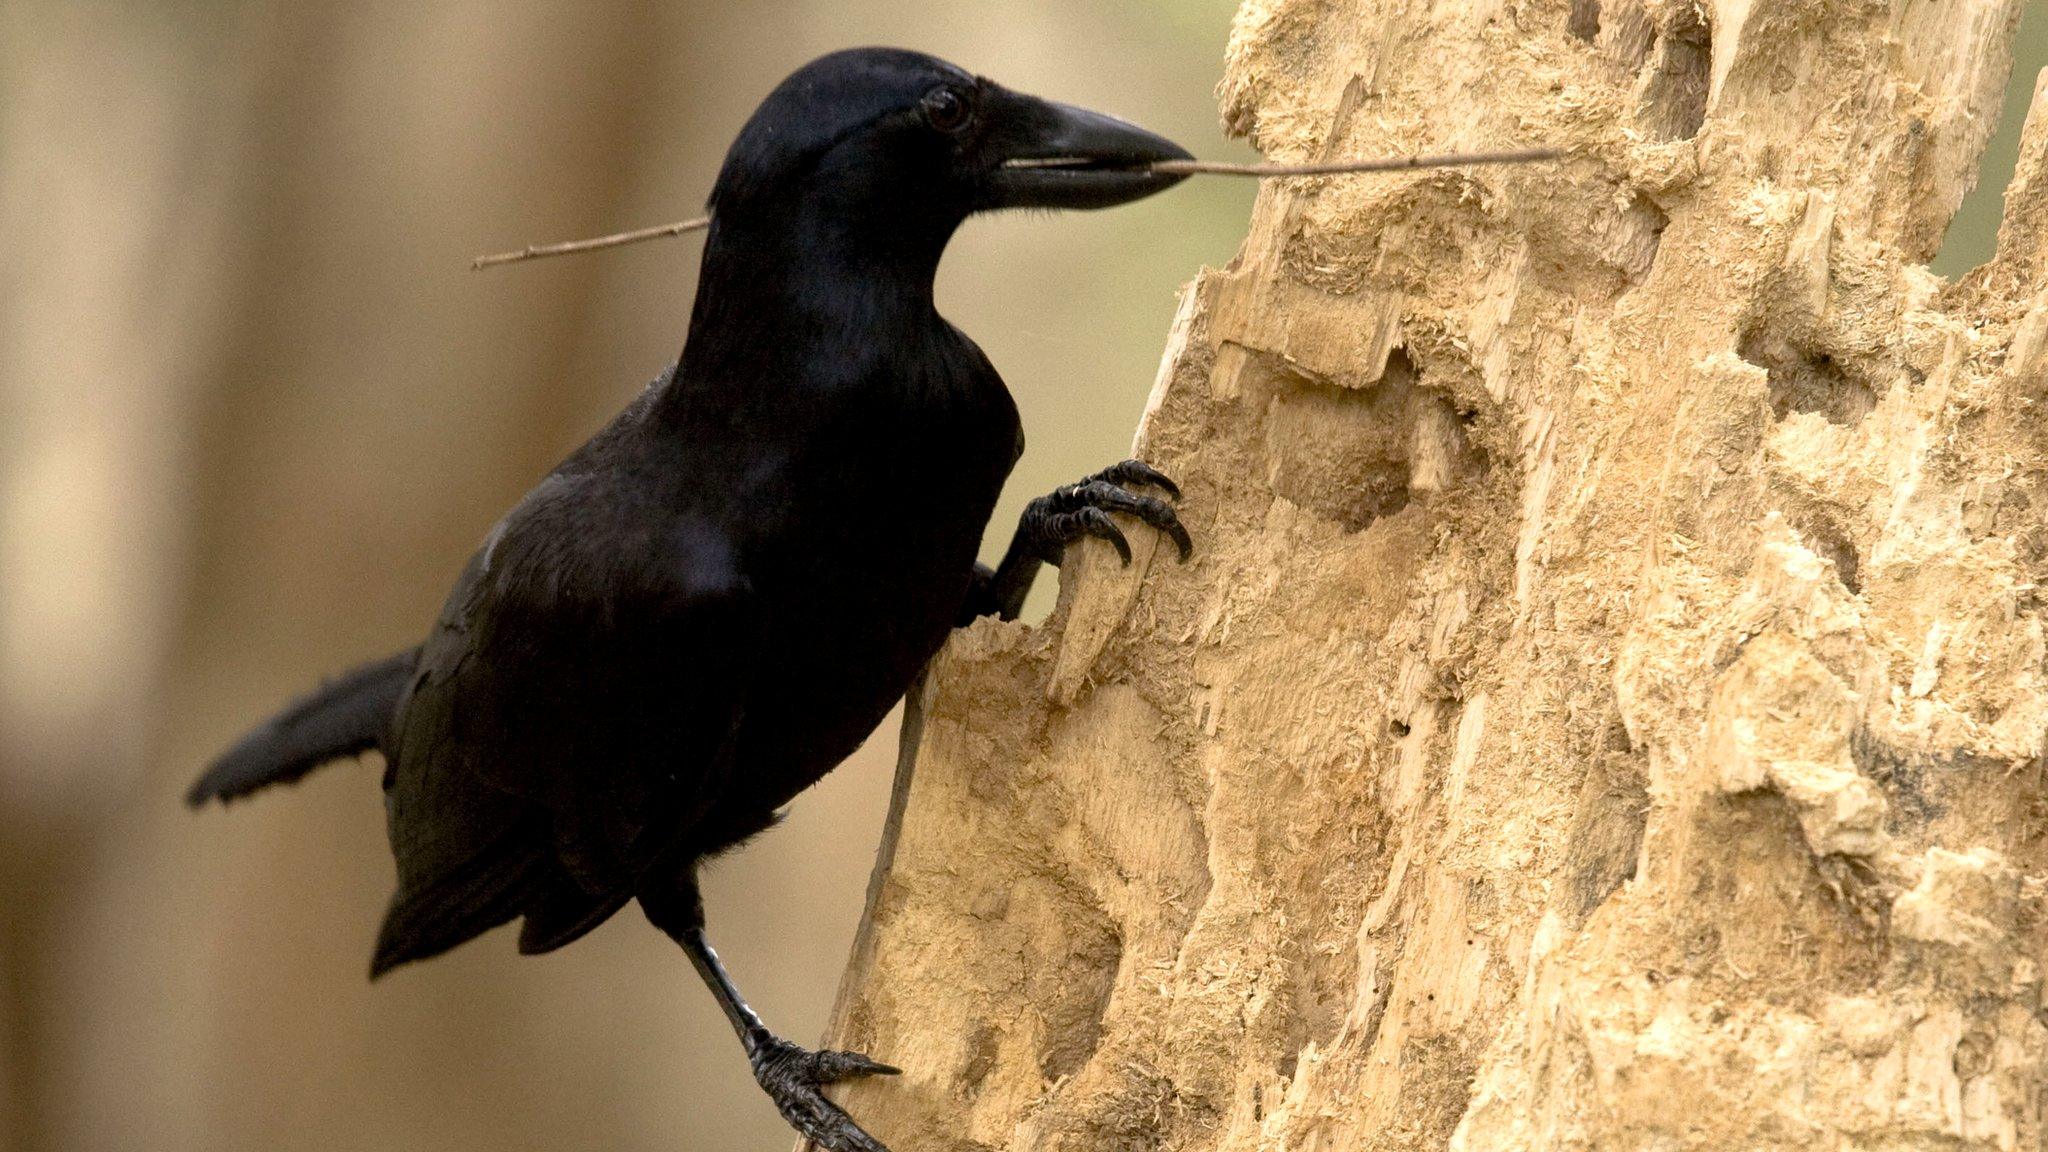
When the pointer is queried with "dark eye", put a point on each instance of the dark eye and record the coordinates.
(946, 109)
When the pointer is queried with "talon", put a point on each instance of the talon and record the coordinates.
(831, 1066)
(1095, 522)
(792, 1077)
(1050, 523)
(1158, 513)
(1137, 472)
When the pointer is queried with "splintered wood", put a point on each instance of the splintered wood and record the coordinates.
(1605, 708)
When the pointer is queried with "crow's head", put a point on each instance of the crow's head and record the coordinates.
(908, 145)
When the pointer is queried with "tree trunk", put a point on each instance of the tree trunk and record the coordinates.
(1606, 706)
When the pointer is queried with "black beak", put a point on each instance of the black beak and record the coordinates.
(1049, 155)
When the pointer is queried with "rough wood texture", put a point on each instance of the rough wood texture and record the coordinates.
(1606, 708)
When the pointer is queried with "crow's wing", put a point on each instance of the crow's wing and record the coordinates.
(573, 711)
(467, 854)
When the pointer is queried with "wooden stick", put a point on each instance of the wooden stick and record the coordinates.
(536, 251)
(1165, 167)
(1338, 167)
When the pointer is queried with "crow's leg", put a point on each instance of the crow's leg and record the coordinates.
(1052, 522)
(791, 1076)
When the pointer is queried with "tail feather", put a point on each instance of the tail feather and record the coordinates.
(345, 717)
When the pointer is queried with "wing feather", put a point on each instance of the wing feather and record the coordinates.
(571, 717)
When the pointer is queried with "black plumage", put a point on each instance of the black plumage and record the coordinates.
(714, 601)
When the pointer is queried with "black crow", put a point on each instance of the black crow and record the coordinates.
(713, 602)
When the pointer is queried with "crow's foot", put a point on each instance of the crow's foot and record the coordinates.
(792, 1077)
(1052, 522)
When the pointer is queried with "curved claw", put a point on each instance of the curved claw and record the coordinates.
(1050, 523)
(1092, 521)
(833, 1065)
(792, 1076)
(1136, 472)
(1152, 510)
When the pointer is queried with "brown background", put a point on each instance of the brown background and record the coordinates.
(254, 412)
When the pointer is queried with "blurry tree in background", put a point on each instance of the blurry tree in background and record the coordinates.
(256, 411)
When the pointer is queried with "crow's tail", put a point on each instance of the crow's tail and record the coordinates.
(345, 717)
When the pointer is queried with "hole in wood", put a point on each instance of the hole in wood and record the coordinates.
(1674, 101)
(1807, 380)
(1830, 543)
(1584, 21)
(1353, 455)
(1644, 220)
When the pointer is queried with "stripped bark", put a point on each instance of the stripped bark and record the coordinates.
(1606, 708)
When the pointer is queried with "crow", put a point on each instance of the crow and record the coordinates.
(716, 599)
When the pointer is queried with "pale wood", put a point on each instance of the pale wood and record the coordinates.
(1606, 706)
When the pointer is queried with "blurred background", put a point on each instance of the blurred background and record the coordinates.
(255, 412)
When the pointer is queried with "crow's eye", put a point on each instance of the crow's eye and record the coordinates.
(946, 109)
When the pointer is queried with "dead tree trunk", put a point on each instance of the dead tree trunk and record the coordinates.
(1606, 708)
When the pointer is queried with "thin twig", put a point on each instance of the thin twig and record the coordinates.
(1164, 167)
(535, 251)
(1337, 167)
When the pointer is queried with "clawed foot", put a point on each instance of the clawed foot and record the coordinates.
(1052, 522)
(792, 1077)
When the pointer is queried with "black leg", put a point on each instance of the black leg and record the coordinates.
(745, 1022)
(791, 1076)
(1052, 522)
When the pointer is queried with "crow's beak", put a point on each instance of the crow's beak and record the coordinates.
(1058, 156)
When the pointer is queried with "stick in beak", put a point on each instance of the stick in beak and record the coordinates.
(1174, 168)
